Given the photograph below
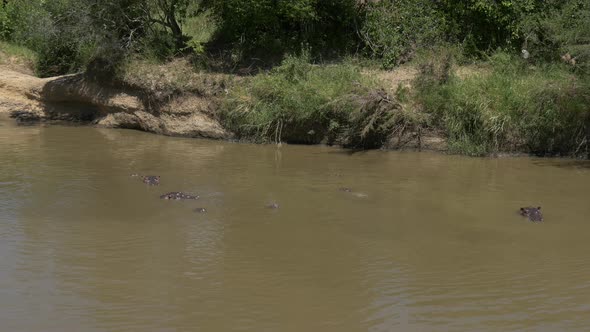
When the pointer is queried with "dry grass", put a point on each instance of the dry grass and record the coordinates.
(188, 104)
(390, 80)
(174, 77)
(17, 58)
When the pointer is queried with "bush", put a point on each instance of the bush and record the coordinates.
(393, 31)
(565, 32)
(56, 31)
(268, 28)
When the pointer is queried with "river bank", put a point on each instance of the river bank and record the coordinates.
(496, 108)
(171, 100)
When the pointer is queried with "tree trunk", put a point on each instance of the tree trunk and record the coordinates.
(179, 42)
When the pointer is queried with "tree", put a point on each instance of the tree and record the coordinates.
(170, 14)
(278, 26)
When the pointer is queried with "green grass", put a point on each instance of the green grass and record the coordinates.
(513, 107)
(296, 102)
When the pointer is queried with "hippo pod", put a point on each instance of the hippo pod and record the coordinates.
(178, 196)
(533, 213)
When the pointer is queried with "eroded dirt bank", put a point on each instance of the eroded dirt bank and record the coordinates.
(150, 106)
(77, 98)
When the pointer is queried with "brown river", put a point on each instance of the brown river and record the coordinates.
(423, 242)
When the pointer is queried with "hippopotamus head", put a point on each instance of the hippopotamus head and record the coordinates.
(152, 180)
(533, 213)
(345, 189)
(200, 210)
(272, 206)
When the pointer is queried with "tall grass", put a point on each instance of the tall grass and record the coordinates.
(296, 102)
(512, 107)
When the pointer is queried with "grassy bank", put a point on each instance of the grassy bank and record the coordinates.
(508, 106)
(298, 102)
(501, 104)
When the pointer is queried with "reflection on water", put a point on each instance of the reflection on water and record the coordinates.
(423, 242)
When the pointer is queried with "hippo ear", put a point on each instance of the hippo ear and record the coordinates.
(538, 208)
(521, 209)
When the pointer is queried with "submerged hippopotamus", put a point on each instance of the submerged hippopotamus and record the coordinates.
(178, 196)
(533, 213)
(200, 210)
(152, 180)
(272, 206)
(355, 194)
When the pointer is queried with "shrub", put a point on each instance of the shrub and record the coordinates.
(57, 31)
(394, 30)
(270, 28)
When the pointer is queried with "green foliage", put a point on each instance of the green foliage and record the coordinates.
(200, 28)
(511, 107)
(158, 44)
(68, 34)
(165, 19)
(564, 30)
(394, 30)
(327, 26)
(489, 24)
(56, 31)
(6, 24)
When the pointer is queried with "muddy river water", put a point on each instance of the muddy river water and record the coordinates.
(423, 242)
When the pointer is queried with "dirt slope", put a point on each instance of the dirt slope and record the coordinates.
(74, 97)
